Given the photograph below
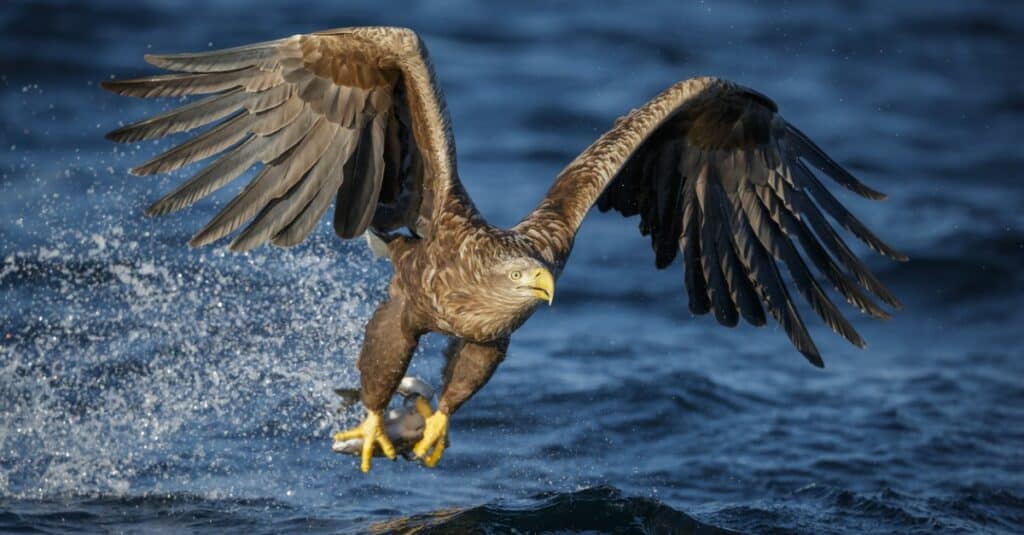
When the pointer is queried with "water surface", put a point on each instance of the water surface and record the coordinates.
(146, 386)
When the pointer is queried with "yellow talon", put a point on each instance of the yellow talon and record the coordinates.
(423, 408)
(372, 434)
(434, 434)
(435, 456)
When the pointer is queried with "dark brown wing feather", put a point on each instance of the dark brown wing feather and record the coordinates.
(352, 114)
(715, 172)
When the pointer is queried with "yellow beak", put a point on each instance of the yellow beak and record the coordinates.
(543, 285)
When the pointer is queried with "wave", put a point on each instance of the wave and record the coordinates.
(814, 508)
(601, 509)
(598, 509)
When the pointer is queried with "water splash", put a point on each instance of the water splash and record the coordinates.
(117, 355)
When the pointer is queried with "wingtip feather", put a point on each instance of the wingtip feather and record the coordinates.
(120, 87)
(814, 358)
(803, 342)
(112, 85)
(199, 240)
(159, 208)
(164, 61)
(857, 340)
(239, 245)
(120, 135)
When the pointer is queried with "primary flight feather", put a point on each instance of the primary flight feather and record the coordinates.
(355, 116)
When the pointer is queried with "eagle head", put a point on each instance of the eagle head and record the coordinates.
(521, 282)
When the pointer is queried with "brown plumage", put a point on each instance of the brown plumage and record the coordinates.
(355, 116)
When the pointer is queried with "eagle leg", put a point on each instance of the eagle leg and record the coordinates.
(387, 349)
(468, 368)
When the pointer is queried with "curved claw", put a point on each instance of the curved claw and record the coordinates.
(434, 434)
(372, 433)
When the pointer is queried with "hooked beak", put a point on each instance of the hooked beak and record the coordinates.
(542, 286)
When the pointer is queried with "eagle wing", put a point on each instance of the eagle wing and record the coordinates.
(715, 172)
(353, 114)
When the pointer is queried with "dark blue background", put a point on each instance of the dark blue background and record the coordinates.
(144, 385)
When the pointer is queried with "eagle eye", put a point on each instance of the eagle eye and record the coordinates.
(515, 275)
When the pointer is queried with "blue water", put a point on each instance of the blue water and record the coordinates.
(145, 386)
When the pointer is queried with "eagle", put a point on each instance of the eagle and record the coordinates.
(355, 115)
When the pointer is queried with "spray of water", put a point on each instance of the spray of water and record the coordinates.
(130, 363)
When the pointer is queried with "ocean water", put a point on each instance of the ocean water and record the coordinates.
(147, 387)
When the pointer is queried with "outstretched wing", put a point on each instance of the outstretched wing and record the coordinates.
(715, 172)
(351, 114)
